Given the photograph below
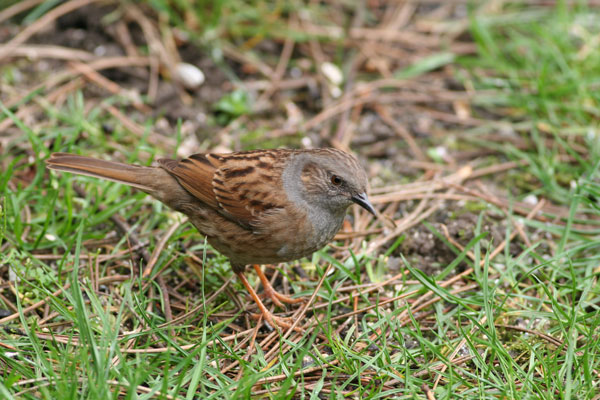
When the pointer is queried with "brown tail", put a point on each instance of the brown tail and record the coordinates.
(144, 178)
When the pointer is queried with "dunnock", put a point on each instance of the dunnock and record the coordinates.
(255, 207)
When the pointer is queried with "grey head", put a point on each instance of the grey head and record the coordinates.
(327, 181)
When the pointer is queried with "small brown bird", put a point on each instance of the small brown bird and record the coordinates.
(255, 207)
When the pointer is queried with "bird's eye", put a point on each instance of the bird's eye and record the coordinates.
(336, 180)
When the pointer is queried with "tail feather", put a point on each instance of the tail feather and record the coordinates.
(143, 178)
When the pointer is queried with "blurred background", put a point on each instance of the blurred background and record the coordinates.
(477, 122)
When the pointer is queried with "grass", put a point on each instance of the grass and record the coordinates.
(506, 308)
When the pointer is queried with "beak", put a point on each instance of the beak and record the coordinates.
(363, 201)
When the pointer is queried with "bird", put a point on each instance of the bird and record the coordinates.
(255, 207)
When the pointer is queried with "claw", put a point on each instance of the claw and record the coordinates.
(284, 323)
(271, 293)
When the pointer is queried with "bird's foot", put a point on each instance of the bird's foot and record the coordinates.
(274, 321)
(276, 297)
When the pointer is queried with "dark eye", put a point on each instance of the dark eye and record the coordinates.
(336, 180)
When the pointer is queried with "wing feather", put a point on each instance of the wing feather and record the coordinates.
(240, 186)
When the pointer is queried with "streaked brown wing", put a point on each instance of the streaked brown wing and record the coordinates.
(195, 174)
(241, 186)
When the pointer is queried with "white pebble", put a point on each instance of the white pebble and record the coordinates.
(335, 91)
(100, 51)
(531, 199)
(333, 73)
(189, 75)
(592, 134)
(442, 152)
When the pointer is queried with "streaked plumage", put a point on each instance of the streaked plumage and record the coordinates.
(255, 207)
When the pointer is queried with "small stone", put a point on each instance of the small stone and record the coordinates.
(333, 73)
(189, 75)
(335, 91)
(531, 199)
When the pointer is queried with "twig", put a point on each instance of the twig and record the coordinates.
(158, 249)
(65, 8)
(35, 305)
(120, 224)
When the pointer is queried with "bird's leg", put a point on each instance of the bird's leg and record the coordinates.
(269, 317)
(271, 293)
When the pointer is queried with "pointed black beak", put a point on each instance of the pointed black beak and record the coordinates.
(363, 201)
